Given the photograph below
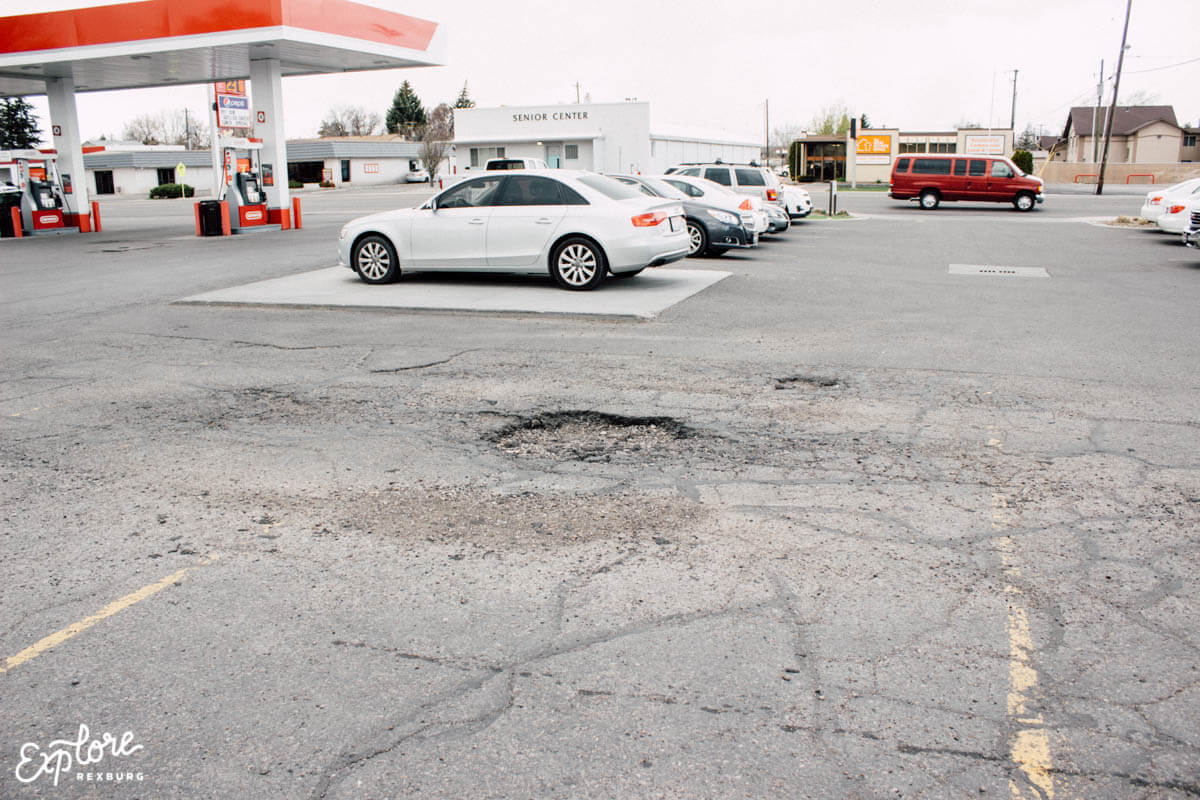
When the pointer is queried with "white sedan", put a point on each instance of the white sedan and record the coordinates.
(1174, 216)
(754, 217)
(1157, 199)
(577, 227)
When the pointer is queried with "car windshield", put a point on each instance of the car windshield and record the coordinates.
(614, 190)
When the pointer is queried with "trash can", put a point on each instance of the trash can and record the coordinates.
(8, 201)
(210, 217)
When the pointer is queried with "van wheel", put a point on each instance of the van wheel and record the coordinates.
(1024, 202)
(929, 200)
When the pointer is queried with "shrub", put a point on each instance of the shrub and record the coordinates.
(295, 185)
(1023, 159)
(172, 190)
(326, 184)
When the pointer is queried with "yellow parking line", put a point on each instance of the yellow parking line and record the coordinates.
(1030, 745)
(55, 639)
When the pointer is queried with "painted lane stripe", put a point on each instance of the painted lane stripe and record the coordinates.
(1029, 748)
(55, 639)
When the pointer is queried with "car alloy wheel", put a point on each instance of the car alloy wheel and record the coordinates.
(375, 260)
(697, 238)
(577, 264)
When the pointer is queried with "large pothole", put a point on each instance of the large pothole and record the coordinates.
(592, 436)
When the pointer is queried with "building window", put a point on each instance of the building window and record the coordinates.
(572, 152)
(943, 147)
(912, 147)
(166, 175)
(481, 155)
(1189, 140)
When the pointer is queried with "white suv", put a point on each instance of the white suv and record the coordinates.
(748, 179)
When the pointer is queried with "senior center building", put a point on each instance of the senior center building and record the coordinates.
(604, 137)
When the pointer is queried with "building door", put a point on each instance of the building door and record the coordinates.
(104, 182)
(345, 170)
(554, 154)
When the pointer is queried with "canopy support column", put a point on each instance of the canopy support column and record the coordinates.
(64, 124)
(266, 90)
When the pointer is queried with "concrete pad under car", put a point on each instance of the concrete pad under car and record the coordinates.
(641, 297)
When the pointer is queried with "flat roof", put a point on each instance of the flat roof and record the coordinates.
(147, 43)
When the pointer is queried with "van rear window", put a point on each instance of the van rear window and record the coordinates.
(931, 166)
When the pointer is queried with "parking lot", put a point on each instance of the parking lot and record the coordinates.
(905, 505)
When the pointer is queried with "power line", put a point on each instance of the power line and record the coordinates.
(1156, 69)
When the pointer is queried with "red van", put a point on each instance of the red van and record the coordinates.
(990, 179)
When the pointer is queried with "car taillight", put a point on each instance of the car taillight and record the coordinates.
(1155, 200)
(771, 195)
(746, 206)
(649, 219)
(1175, 209)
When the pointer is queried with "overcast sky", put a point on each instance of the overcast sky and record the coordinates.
(710, 66)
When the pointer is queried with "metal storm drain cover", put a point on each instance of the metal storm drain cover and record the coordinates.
(995, 269)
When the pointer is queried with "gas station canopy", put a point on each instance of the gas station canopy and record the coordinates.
(173, 42)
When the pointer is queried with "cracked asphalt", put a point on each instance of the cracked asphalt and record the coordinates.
(842, 525)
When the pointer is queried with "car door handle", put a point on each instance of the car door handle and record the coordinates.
(477, 221)
(542, 220)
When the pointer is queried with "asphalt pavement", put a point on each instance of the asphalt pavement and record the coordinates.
(880, 514)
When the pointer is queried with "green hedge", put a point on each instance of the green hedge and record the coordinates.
(172, 190)
(295, 185)
(1023, 159)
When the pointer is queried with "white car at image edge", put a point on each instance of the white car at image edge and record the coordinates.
(1174, 217)
(1157, 199)
(576, 227)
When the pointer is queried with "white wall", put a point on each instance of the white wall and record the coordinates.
(671, 152)
(612, 137)
(138, 180)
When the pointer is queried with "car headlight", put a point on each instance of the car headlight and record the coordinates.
(722, 216)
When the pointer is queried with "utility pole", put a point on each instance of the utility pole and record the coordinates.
(1108, 123)
(187, 139)
(576, 92)
(1013, 123)
(767, 127)
(1096, 114)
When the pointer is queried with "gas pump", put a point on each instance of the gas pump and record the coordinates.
(243, 184)
(33, 175)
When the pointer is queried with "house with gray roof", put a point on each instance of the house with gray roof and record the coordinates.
(1140, 135)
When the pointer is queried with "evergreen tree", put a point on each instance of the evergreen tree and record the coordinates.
(18, 126)
(406, 114)
(464, 101)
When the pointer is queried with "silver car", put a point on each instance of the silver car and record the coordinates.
(577, 227)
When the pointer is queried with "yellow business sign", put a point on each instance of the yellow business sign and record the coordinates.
(874, 145)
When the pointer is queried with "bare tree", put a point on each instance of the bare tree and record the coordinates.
(359, 121)
(435, 137)
(185, 128)
(146, 128)
(1142, 97)
(348, 121)
(783, 136)
(833, 119)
